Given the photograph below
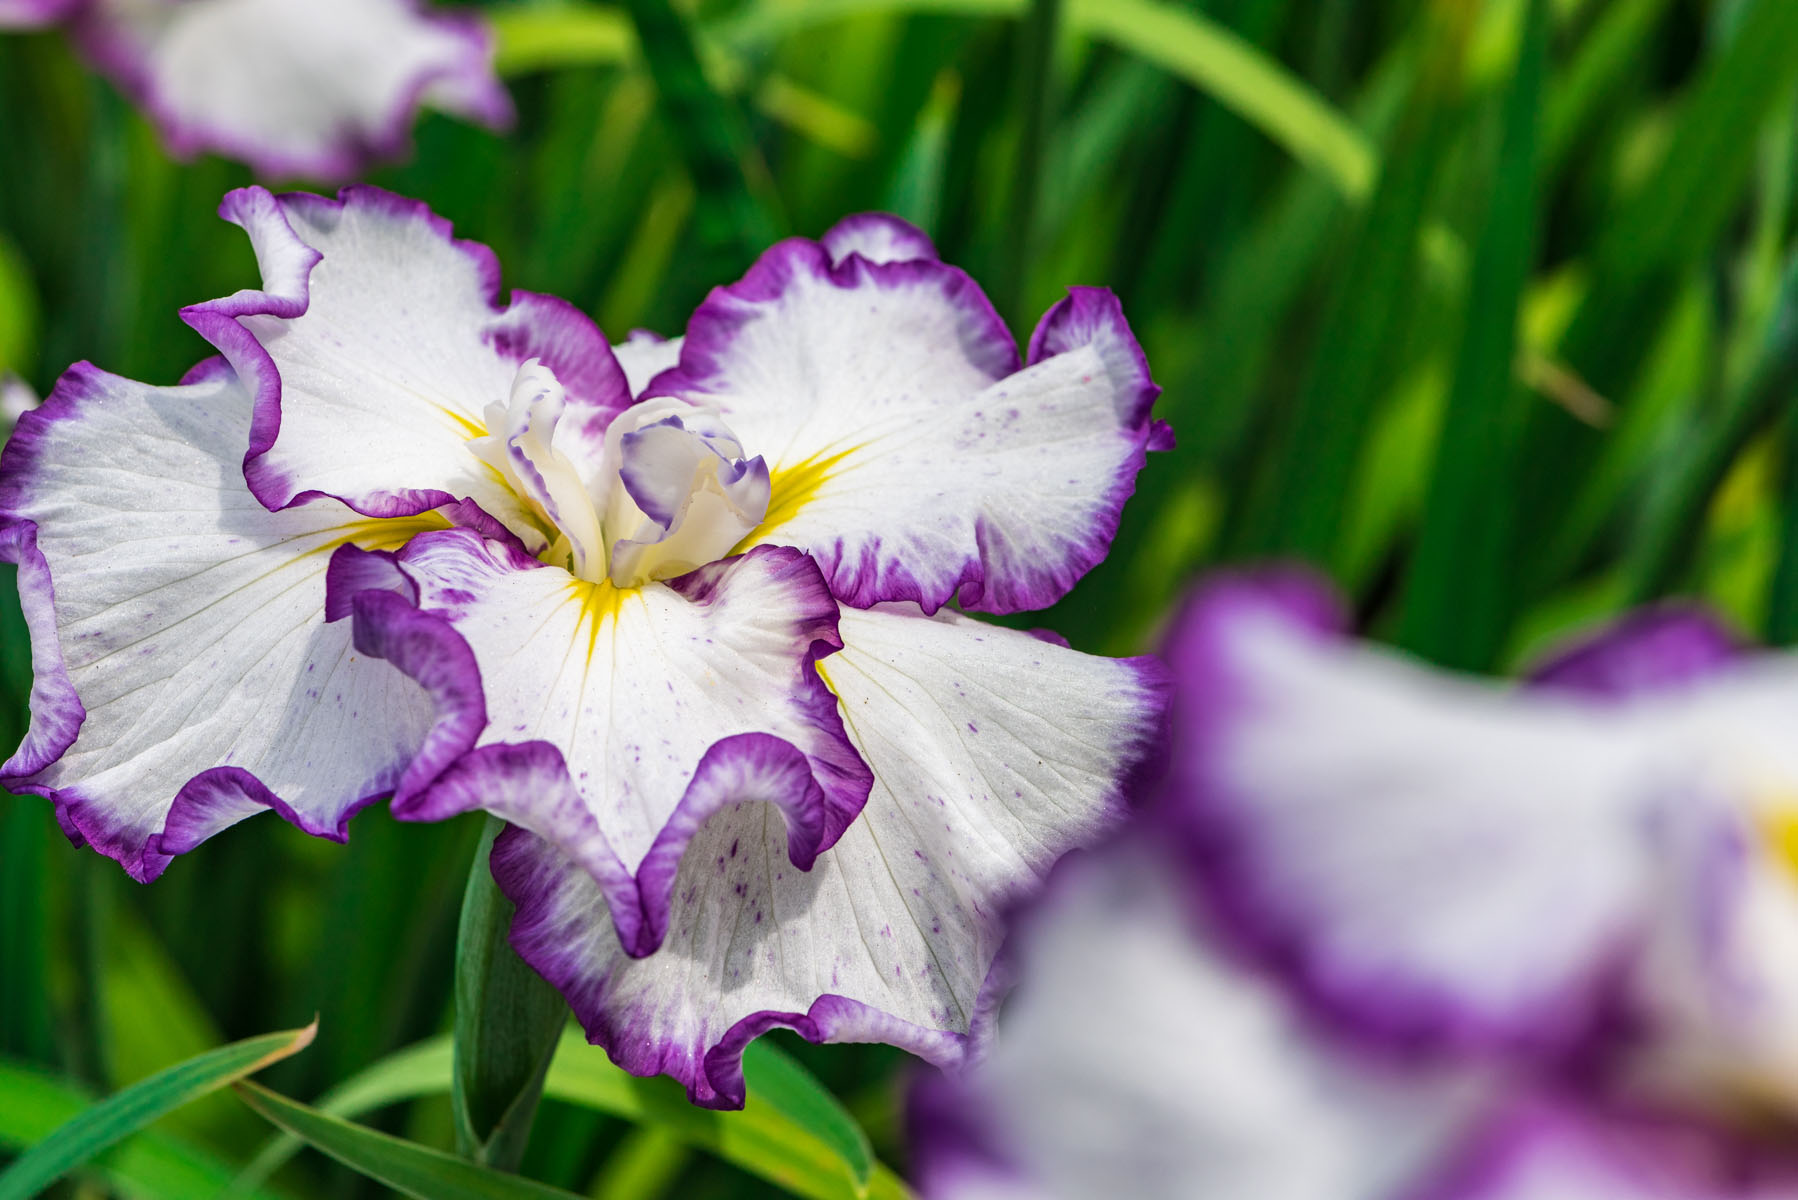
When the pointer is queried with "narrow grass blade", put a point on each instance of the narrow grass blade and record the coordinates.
(789, 1089)
(642, 1166)
(1454, 604)
(406, 1167)
(1665, 228)
(791, 1133)
(545, 37)
(1296, 506)
(119, 1116)
(1241, 77)
(1668, 534)
(149, 1165)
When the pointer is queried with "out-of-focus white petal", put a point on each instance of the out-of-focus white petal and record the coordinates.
(1133, 1060)
(312, 89)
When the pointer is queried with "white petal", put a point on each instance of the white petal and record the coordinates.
(386, 345)
(190, 623)
(1133, 1060)
(910, 456)
(633, 686)
(993, 752)
(1431, 857)
(309, 88)
(646, 355)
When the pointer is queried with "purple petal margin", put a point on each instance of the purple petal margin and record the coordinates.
(1571, 1145)
(114, 52)
(528, 784)
(428, 649)
(713, 1076)
(1659, 649)
(532, 326)
(878, 238)
(1085, 317)
(1211, 828)
(56, 711)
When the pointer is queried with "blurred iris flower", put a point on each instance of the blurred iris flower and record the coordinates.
(1390, 933)
(306, 89)
(684, 628)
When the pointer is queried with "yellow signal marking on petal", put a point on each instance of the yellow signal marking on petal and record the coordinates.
(599, 603)
(1779, 831)
(383, 533)
(790, 489)
(470, 429)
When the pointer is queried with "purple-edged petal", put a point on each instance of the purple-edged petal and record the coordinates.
(879, 238)
(313, 89)
(1648, 653)
(1431, 858)
(1559, 1149)
(1134, 1060)
(911, 456)
(993, 753)
(185, 674)
(380, 344)
(632, 687)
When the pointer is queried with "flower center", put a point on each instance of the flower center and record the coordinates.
(667, 491)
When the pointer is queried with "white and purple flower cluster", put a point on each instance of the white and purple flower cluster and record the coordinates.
(678, 612)
(1389, 934)
(298, 89)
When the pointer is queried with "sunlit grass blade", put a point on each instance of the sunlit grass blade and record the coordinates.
(791, 1132)
(544, 37)
(117, 1117)
(406, 1167)
(788, 1088)
(1454, 607)
(1216, 61)
(149, 1165)
(642, 1166)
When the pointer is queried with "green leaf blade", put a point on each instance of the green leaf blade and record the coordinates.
(404, 1166)
(112, 1120)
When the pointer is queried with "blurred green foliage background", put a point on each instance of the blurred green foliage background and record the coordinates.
(1487, 308)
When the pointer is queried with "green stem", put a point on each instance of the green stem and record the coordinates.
(508, 1019)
